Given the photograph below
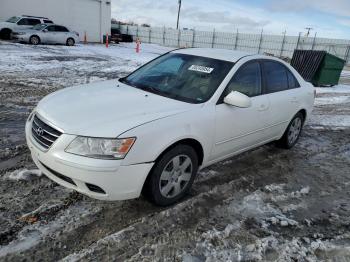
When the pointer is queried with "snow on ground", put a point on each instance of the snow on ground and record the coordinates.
(334, 89)
(23, 174)
(264, 205)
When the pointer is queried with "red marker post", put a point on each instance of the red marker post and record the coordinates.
(138, 45)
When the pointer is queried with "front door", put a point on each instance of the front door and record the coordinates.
(238, 129)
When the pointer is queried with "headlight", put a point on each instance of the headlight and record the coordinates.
(100, 147)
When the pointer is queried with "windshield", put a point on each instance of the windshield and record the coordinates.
(39, 27)
(188, 78)
(13, 19)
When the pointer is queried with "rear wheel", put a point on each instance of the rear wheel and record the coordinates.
(5, 34)
(70, 42)
(34, 40)
(172, 176)
(292, 133)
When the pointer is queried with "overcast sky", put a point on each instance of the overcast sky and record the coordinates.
(329, 18)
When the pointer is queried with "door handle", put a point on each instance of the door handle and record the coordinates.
(262, 107)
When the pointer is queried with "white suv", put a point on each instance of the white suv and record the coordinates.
(153, 130)
(20, 22)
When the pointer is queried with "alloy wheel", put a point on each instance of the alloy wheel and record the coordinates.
(175, 176)
(294, 130)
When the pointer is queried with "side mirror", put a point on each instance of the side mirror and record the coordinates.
(237, 99)
(45, 30)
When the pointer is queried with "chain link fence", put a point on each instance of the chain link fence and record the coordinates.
(278, 45)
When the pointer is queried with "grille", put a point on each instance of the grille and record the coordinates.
(44, 134)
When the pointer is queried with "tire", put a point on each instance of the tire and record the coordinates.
(34, 40)
(172, 176)
(5, 34)
(292, 133)
(70, 42)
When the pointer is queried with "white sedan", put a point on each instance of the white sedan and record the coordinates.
(151, 132)
(47, 34)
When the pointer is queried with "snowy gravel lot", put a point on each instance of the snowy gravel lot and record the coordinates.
(267, 204)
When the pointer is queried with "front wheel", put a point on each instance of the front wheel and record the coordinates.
(292, 133)
(34, 40)
(70, 42)
(172, 176)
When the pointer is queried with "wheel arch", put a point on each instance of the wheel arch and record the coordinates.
(195, 144)
(304, 113)
(5, 30)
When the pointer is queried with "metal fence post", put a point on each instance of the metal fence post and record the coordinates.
(313, 42)
(283, 40)
(298, 41)
(178, 37)
(149, 35)
(193, 36)
(347, 54)
(236, 39)
(261, 36)
(164, 35)
(213, 39)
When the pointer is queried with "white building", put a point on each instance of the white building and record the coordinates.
(90, 16)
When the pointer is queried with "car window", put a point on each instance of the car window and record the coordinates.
(183, 77)
(40, 27)
(23, 21)
(292, 81)
(276, 76)
(247, 80)
(51, 28)
(32, 21)
(29, 21)
(48, 22)
(59, 28)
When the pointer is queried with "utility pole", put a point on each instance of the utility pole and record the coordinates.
(178, 15)
(308, 31)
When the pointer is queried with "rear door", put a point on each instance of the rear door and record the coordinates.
(61, 34)
(238, 129)
(283, 92)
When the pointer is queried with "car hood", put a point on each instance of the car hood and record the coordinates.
(105, 109)
(6, 24)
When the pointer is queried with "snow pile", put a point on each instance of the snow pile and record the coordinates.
(23, 174)
(335, 89)
(319, 101)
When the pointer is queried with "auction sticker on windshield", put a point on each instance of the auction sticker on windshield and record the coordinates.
(202, 69)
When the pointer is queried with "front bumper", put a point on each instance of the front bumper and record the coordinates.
(87, 175)
(20, 38)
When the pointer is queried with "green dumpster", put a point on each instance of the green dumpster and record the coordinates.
(329, 71)
(318, 67)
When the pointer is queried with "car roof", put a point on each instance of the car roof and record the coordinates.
(215, 53)
(54, 24)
